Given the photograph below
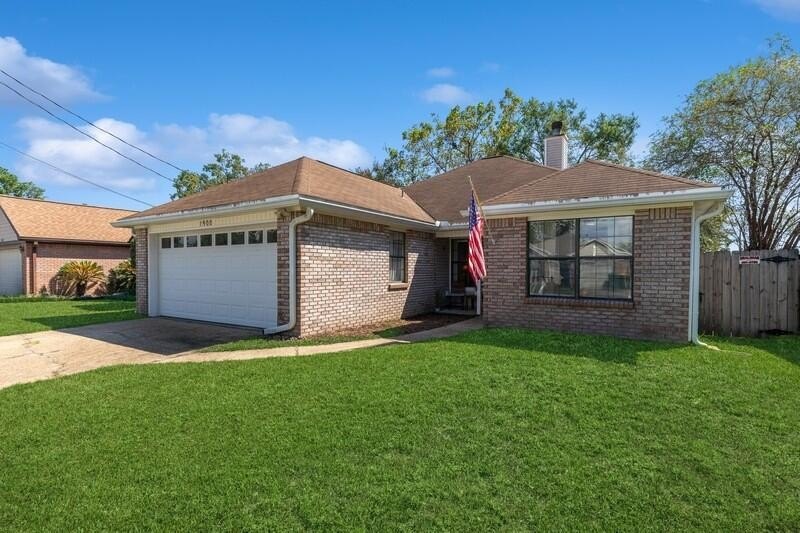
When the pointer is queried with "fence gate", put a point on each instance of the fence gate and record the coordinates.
(749, 293)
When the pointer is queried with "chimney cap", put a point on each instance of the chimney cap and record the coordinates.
(556, 128)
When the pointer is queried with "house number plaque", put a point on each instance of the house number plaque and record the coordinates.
(206, 223)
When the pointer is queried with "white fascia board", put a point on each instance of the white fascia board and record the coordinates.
(690, 195)
(277, 202)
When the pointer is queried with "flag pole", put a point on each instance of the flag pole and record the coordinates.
(480, 208)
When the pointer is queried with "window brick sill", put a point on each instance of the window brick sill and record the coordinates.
(577, 302)
(398, 286)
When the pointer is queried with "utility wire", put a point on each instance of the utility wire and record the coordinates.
(70, 174)
(95, 139)
(89, 122)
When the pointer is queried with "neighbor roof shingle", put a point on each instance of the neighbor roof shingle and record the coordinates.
(46, 220)
(446, 195)
(307, 177)
(595, 179)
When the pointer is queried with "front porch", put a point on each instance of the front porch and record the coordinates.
(457, 293)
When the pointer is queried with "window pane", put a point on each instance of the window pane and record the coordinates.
(623, 279)
(237, 237)
(551, 277)
(397, 269)
(551, 238)
(177, 242)
(205, 240)
(255, 237)
(191, 241)
(398, 246)
(608, 236)
(623, 245)
(272, 235)
(166, 242)
(221, 239)
(597, 278)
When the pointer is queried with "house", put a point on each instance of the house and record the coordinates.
(311, 248)
(38, 236)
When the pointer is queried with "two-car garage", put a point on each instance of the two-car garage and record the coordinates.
(224, 275)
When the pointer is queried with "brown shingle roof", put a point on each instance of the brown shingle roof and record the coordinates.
(46, 220)
(446, 195)
(307, 177)
(592, 179)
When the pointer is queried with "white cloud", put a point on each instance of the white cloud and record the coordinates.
(58, 144)
(783, 9)
(445, 93)
(441, 72)
(60, 82)
(256, 139)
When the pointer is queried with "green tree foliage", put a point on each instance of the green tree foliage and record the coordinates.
(11, 185)
(226, 167)
(513, 126)
(741, 129)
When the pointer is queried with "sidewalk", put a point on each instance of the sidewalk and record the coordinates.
(292, 351)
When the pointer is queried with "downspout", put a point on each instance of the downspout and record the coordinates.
(292, 273)
(694, 278)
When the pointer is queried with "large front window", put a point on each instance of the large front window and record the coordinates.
(581, 258)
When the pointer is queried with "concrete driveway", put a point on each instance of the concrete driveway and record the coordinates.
(48, 354)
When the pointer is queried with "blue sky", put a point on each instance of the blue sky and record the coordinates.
(337, 80)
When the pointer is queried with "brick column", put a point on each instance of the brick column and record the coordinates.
(141, 270)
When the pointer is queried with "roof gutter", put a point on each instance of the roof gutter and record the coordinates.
(690, 195)
(366, 214)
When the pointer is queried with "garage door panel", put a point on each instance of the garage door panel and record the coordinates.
(229, 284)
(10, 271)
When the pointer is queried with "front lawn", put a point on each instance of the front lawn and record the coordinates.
(26, 315)
(494, 429)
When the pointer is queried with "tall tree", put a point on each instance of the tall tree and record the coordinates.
(226, 167)
(11, 185)
(513, 126)
(741, 129)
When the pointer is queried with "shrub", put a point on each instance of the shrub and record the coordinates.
(78, 276)
(122, 278)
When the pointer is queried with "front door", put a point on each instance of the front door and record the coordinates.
(459, 275)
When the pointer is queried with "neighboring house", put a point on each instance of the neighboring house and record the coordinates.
(38, 236)
(310, 248)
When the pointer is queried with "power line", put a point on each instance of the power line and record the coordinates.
(70, 174)
(95, 139)
(89, 122)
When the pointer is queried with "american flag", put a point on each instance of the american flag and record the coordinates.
(475, 260)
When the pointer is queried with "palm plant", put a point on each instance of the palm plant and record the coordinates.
(78, 276)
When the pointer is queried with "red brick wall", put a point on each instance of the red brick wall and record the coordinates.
(660, 304)
(441, 261)
(50, 257)
(140, 235)
(343, 273)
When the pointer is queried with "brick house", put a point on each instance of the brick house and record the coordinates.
(311, 248)
(38, 236)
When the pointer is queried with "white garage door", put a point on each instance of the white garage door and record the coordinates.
(226, 276)
(10, 271)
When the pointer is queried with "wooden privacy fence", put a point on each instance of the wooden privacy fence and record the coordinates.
(749, 293)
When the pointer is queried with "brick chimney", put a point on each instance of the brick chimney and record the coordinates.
(556, 147)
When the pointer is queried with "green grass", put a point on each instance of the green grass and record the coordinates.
(494, 429)
(26, 315)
